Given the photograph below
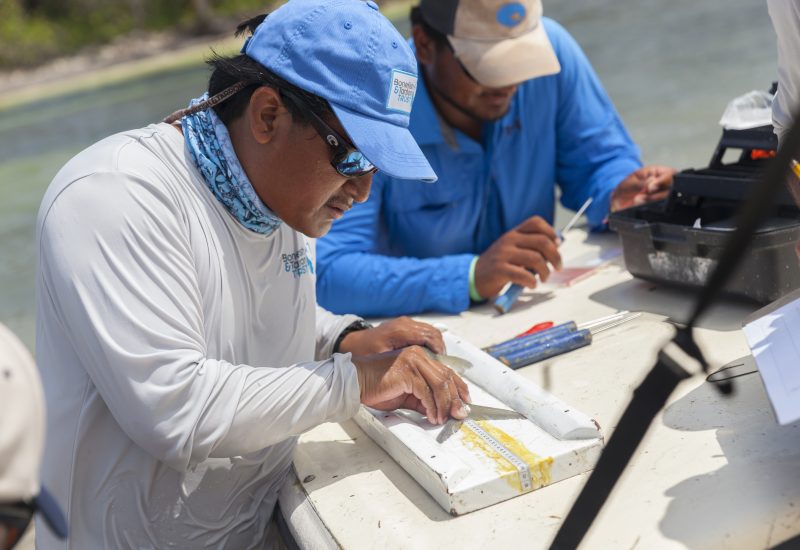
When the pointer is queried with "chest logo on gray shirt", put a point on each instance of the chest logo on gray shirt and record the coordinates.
(298, 262)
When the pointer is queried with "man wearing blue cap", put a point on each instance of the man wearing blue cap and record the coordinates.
(508, 108)
(178, 337)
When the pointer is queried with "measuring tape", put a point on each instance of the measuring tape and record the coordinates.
(522, 467)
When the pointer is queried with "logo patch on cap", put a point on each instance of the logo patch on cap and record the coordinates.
(511, 14)
(402, 91)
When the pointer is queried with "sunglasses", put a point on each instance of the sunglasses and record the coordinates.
(14, 521)
(347, 160)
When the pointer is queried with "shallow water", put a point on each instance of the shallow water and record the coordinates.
(670, 68)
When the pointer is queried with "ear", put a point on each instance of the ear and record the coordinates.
(425, 47)
(263, 111)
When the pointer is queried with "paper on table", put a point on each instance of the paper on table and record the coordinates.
(774, 339)
(580, 268)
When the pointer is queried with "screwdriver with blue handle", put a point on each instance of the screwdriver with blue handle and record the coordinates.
(504, 302)
(549, 343)
(562, 343)
(527, 340)
(534, 339)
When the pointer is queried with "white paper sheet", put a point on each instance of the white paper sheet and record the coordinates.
(774, 339)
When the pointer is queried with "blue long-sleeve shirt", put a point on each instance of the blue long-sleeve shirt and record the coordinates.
(409, 247)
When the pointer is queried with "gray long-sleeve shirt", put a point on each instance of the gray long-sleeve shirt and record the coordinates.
(180, 353)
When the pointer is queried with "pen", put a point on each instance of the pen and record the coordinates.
(504, 302)
(576, 217)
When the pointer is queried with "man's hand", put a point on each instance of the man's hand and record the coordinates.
(411, 379)
(390, 335)
(518, 256)
(651, 183)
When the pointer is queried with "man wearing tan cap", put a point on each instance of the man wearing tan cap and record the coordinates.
(508, 108)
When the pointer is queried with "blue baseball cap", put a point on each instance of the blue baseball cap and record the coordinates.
(348, 53)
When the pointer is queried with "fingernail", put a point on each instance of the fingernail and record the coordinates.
(639, 199)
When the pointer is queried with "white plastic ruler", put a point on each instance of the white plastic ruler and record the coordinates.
(522, 467)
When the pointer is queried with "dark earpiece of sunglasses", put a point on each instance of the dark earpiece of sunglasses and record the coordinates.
(347, 160)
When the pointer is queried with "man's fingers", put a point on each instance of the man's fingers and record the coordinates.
(411, 379)
(636, 182)
(411, 402)
(440, 386)
(540, 268)
(459, 396)
(660, 192)
(656, 185)
(461, 388)
(441, 394)
(655, 188)
(646, 184)
(532, 262)
(537, 224)
(549, 250)
(659, 178)
(403, 332)
(457, 409)
(422, 391)
(521, 276)
(658, 196)
(445, 385)
(435, 341)
(423, 334)
(530, 248)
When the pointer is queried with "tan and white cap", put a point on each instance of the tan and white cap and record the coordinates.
(499, 42)
(22, 424)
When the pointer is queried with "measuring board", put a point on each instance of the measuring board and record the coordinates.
(488, 460)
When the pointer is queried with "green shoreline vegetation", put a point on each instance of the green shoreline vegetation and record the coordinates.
(35, 32)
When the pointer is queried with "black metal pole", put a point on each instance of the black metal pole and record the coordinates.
(647, 400)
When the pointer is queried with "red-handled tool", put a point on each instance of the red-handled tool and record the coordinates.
(536, 328)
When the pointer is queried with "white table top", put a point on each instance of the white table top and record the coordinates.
(712, 472)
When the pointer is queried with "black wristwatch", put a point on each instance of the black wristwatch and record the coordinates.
(355, 326)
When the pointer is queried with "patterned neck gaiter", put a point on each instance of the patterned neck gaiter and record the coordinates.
(211, 148)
